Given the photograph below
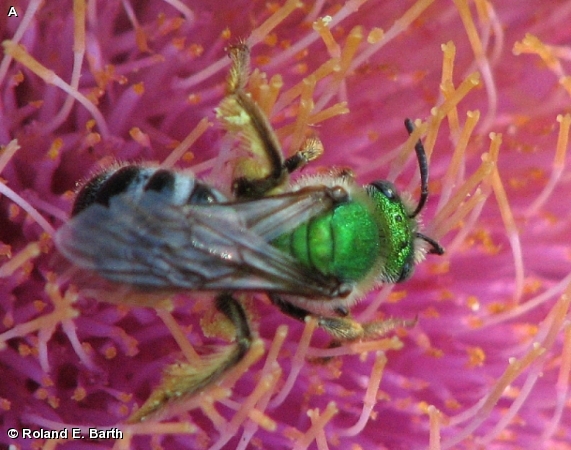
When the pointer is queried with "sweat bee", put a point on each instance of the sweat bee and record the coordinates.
(315, 247)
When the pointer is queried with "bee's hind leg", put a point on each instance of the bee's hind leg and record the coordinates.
(181, 380)
(343, 328)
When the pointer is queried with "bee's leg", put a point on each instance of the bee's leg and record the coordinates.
(347, 329)
(257, 179)
(249, 187)
(240, 114)
(311, 150)
(182, 380)
(343, 328)
(232, 309)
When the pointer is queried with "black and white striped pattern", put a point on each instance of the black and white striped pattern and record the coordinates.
(179, 188)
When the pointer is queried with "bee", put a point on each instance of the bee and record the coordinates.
(314, 247)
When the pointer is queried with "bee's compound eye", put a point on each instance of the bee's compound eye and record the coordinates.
(203, 195)
(406, 272)
(386, 188)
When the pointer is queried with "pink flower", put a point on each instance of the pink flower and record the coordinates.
(486, 366)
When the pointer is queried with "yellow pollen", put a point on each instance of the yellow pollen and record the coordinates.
(476, 357)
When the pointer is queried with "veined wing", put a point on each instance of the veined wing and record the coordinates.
(151, 243)
(269, 217)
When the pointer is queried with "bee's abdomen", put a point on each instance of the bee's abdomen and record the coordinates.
(133, 180)
(343, 242)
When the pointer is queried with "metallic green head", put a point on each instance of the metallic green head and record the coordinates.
(398, 223)
(396, 232)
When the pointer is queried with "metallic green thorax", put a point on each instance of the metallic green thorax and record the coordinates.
(355, 238)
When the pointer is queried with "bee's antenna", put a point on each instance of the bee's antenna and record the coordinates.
(423, 166)
(436, 249)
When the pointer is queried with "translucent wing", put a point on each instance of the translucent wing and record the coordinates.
(151, 243)
(270, 217)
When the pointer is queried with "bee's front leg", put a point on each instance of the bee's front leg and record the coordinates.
(343, 328)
